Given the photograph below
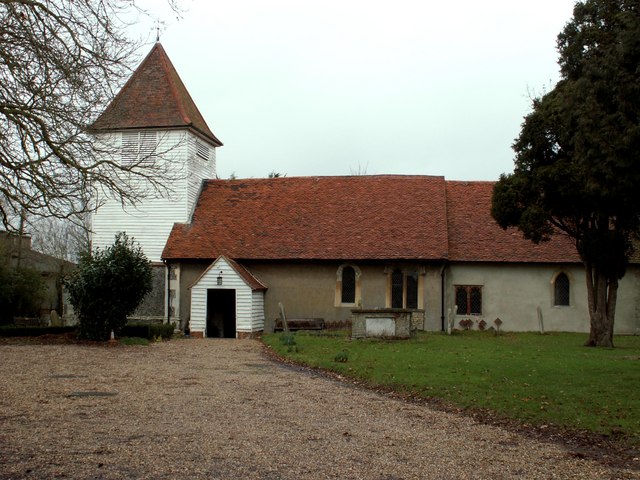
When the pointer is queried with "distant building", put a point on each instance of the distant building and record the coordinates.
(16, 252)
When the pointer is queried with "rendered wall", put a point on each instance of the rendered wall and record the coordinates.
(307, 289)
(510, 292)
(513, 293)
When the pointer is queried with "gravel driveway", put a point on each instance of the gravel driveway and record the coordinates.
(209, 409)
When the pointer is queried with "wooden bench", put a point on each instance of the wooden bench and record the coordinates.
(300, 324)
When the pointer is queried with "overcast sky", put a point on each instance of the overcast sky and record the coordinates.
(307, 87)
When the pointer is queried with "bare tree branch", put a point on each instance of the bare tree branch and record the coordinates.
(61, 62)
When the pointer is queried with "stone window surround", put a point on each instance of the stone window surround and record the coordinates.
(552, 285)
(467, 311)
(338, 293)
(406, 270)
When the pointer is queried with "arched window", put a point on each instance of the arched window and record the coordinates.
(348, 285)
(561, 289)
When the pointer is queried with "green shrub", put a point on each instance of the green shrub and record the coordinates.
(13, 331)
(108, 286)
(21, 293)
(341, 357)
(149, 331)
(289, 340)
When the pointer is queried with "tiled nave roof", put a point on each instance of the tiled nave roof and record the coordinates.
(381, 217)
(475, 236)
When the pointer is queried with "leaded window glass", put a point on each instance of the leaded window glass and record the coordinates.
(461, 300)
(348, 285)
(475, 301)
(397, 284)
(562, 290)
(412, 290)
(469, 300)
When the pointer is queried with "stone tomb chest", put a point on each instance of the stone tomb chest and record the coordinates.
(382, 322)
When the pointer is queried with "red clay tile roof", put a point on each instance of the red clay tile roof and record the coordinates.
(246, 275)
(154, 97)
(358, 217)
(474, 235)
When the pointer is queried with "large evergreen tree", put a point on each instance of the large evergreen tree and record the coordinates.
(577, 165)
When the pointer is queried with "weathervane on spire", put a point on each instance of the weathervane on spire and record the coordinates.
(158, 23)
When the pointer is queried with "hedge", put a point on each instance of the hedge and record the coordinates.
(149, 331)
(13, 331)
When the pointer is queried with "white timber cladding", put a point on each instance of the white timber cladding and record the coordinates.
(175, 153)
(257, 320)
(249, 303)
(201, 166)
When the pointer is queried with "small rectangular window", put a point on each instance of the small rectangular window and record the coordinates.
(397, 289)
(469, 300)
(412, 290)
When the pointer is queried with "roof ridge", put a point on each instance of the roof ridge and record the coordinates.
(169, 68)
(328, 177)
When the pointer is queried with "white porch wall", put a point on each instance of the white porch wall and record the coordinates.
(257, 317)
(246, 310)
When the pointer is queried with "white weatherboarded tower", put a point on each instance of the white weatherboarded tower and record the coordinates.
(153, 119)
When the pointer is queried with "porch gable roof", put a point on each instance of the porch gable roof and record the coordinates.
(247, 277)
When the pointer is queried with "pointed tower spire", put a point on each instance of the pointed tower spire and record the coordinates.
(154, 97)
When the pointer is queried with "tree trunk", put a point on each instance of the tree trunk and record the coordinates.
(602, 294)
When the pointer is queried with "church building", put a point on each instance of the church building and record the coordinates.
(231, 254)
(154, 120)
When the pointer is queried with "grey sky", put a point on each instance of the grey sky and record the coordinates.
(329, 87)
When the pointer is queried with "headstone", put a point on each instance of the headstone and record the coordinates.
(56, 321)
(451, 318)
(540, 322)
(285, 327)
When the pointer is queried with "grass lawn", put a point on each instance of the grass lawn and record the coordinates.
(537, 379)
